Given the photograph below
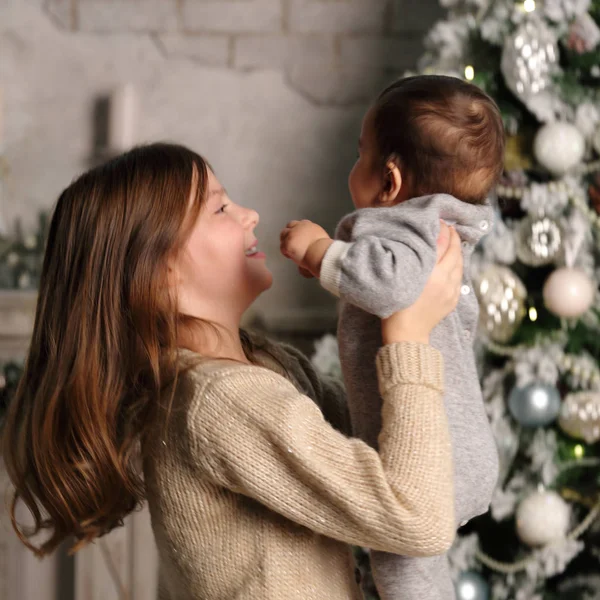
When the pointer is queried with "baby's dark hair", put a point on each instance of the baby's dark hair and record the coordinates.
(445, 134)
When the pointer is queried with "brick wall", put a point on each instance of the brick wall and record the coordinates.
(271, 91)
(323, 46)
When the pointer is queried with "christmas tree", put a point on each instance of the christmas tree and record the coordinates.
(536, 276)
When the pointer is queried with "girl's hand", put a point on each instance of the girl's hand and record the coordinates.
(438, 299)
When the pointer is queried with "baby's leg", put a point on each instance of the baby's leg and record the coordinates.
(409, 578)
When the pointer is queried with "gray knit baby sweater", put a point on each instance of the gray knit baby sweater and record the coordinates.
(379, 263)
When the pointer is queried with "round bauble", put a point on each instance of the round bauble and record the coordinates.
(559, 147)
(529, 59)
(568, 293)
(501, 295)
(539, 241)
(534, 405)
(470, 585)
(542, 518)
(580, 416)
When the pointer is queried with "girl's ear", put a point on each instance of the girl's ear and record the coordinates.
(392, 184)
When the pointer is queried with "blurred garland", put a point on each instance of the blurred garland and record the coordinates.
(22, 256)
(21, 259)
(10, 374)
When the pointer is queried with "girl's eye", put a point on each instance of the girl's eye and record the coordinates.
(222, 209)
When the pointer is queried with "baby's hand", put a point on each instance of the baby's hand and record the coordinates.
(297, 237)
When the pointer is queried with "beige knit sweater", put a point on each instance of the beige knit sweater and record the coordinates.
(254, 495)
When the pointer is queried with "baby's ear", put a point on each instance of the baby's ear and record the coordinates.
(392, 184)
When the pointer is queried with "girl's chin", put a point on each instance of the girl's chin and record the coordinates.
(261, 282)
(267, 281)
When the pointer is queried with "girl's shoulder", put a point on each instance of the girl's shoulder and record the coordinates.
(200, 371)
(274, 364)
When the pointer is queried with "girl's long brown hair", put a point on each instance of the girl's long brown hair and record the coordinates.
(103, 346)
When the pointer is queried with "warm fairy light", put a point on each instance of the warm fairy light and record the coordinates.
(529, 5)
(533, 314)
(578, 451)
(469, 73)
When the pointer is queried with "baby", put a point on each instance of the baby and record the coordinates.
(431, 148)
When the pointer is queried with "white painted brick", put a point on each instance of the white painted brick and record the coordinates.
(400, 52)
(409, 15)
(349, 16)
(212, 50)
(127, 15)
(277, 51)
(61, 12)
(232, 16)
(336, 86)
(261, 51)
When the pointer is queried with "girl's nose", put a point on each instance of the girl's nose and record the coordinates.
(251, 218)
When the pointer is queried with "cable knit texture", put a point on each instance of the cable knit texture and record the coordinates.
(255, 490)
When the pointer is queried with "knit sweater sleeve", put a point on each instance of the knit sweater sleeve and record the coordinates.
(255, 434)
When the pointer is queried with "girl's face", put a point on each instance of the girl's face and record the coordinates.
(365, 181)
(220, 271)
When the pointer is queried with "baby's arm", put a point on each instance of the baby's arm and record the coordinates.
(305, 243)
(381, 270)
(384, 265)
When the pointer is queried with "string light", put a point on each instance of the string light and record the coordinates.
(529, 5)
(578, 451)
(533, 315)
(469, 73)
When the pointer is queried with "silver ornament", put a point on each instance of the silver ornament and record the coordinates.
(529, 59)
(471, 586)
(580, 416)
(501, 296)
(535, 405)
(539, 241)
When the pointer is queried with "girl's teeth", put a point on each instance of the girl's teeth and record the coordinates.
(251, 251)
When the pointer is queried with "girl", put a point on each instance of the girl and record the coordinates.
(140, 385)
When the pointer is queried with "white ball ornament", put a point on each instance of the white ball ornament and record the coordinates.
(568, 292)
(559, 147)
(542, 518)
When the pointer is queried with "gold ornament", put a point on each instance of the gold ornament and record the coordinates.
(580, 416)
(518, 152)
(501, 296)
